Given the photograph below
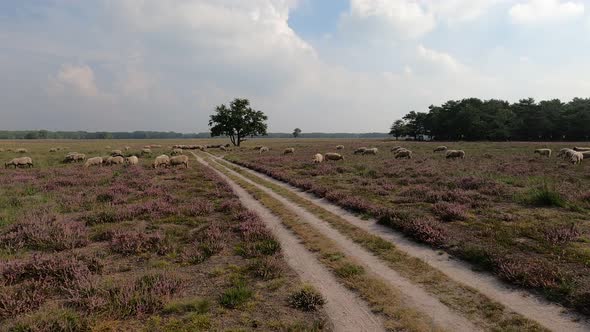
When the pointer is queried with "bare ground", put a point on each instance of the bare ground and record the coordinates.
(346, 310)
(549, 315)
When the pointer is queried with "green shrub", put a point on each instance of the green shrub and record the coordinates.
(236, 295)
(306, 298)
(544, 196)
(59, 320)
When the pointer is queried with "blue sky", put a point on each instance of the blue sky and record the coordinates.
(321, 65)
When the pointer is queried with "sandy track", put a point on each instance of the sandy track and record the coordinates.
(412, 295)
(346, 310)
(547, 314)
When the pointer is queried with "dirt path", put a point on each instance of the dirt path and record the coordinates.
(347, 311)
(412, 295)
(549, 315)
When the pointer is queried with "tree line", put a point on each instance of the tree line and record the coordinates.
(474, 119)
(46, 134)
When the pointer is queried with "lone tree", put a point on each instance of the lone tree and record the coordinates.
(237, 121)
(296, 132)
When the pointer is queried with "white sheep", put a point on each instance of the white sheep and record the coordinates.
(453, 154)
(127, 148)
(543, 152)
(289, 150)
(333, 156)
(360, 150)
(146, 151)
(396, 148)
(576, 158)
(179, 160)
(371, 151)
(116, 160)
(95, 161)
(339, 147)
(53, 150)
(318, 158)
(115, 153)
(19, 162)
(440, 148)
(21, 150)
(176, 152)
(403, 153)
(162, 160)
(565, 153)
(264, 149)
(131, 161)
(581, 149)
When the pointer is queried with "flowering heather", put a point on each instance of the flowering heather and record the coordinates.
(133, 243)
(44, 231)
(21, 299)
(528, 272)
(449, 211)
(559, 235)
(198, 207)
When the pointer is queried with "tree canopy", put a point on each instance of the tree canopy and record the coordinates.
(296, 132)
(238, 121)
(498, 120)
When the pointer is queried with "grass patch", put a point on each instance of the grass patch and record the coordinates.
(236, 295)
(544, 197)
(306, 298)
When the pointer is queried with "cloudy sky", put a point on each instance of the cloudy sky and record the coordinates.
(321, 65)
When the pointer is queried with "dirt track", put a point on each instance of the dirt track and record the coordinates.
(549, 315)
(345, 309)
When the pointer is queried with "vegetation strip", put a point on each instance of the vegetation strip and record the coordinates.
(483, 311)
(381, 297)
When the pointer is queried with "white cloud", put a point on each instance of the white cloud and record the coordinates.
(541, 11)
(78, 80)
(405, 18)
(442, 60)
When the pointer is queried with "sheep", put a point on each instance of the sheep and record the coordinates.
(580, 149)
(162, 160)
(339, 147)
(576, 158)
(565, 153)
(146, 151)
(289, 150)
(257, 147)
(95, 161)
(116, 160)
(586, 154)
(21, 150)
(176, 152)
(318, 158)
(147, 146)
(333, 156)
(440, 148)
(116, 153)
(179, 160)
(452, 154)
(403, 153)
(360, 150)
(108, 147)
(74, 157)
(543, 152)
(155, 146)
(131, 161)
(53, 150)
(1, 150)
(371, 151)
(264, 149)
(396, 148)
(222, 148)
(19, 162)
(127, 148)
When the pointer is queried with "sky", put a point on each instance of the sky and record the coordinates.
(320, 65)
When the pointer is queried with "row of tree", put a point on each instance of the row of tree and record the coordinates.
(45, 134)
(498, 120)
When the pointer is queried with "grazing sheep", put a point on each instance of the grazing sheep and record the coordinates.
(179, 160)
(339, 147)
(127, 148)
(176, 152)
(147, 146)
(257, 147)
(396, 148)
(73, 157)
(116, 153)
(95, 161)
(19, 162)
(586, 154)
(146, 151)
(53, 150)
(200, 147)
(162, 160)
(116, 160)
(580, 149)
(453, 154)
(132, 161)
(289, 150)
(565, 153)
(108, 147)
(334, 156)
(576, 158)
(543, 152)
(403, 153)
(318, 158)
(264, 149)
(371, 151)
(440, 148)
(155, 146)
(21, 150)
(222, 148)
(360, 150)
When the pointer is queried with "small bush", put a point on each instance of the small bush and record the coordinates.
(133, 243)
(349, 270)
(22, 298)
(560, 235)
(236, 295)
(544, 196)
(449, 211)
(53, 321)
(266, 268)
(528, 272)
(306, 298)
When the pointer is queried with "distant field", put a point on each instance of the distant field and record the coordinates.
(502, 208)
(120, 249)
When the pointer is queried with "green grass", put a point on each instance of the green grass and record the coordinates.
(236, 295)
